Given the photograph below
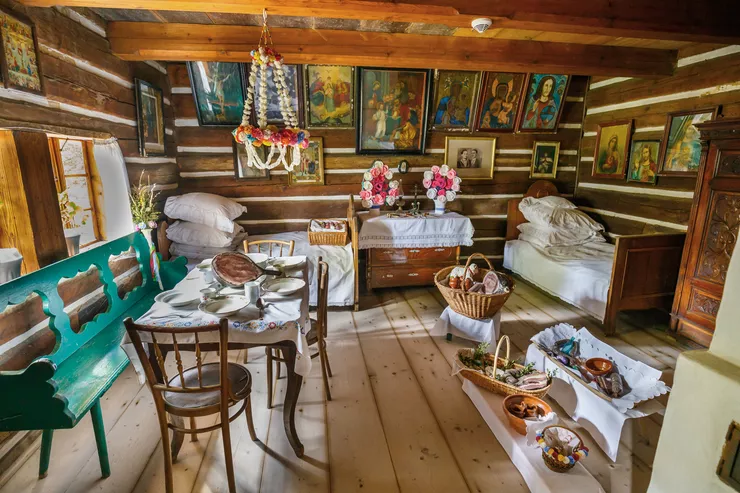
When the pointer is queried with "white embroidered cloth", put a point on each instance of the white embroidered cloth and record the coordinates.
(451, 322)
(447, 230)
(283, 318)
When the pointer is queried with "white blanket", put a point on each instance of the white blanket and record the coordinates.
(447, 230)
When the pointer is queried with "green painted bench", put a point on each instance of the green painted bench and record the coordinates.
(57, 390)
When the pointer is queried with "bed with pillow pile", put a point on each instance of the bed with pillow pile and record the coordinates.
(563, 251)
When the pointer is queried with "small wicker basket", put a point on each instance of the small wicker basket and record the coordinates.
(480, 378)
(337, 238)
(472, 305)
(553, 463)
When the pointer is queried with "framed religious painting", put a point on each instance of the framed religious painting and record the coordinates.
(501, 96)
(471, 157)
(310, 171)
(612, 150)
(543, 103)
(149, 118)
(19, 58)
(643, 159)
(294, 81)
(455, 100)
(681, 151)
(218, 90)
(330, 96)
(244, 172)
(545, 160)
(392, 110)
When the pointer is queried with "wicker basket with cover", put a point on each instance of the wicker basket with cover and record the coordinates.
(472, 305)
(550, 456)
(336, 238)
(480, 378)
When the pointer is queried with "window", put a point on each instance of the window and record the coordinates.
(72, 172)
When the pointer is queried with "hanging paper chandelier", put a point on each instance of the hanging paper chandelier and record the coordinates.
(284, 144)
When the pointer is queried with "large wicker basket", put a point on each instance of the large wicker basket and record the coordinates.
(472, 305)
(480, 378)
(338, 238)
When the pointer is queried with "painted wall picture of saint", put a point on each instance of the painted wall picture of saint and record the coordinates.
(149, 118)
(612, 150)
(393, 110)
(543, 104)
(455, 99)
(501, 97)
(682, 146)
(218, 89)
(310, 171)
(244, 172)
(643, 161)
(293, 78)
(19, 57)
(545, 160)
(330, 93)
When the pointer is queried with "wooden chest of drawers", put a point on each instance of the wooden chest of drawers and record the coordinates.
(393, 267)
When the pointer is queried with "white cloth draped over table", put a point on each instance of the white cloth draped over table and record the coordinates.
(447, 230)
(451, 322)
(284, 318)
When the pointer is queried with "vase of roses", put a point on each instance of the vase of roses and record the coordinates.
(378, 187)
(442, 184)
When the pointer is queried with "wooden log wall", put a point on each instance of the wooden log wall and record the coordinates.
(205, 160)
(706, 76)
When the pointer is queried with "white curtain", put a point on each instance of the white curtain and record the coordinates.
(116, 213)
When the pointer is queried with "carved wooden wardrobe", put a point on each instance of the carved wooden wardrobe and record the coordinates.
(712, 234)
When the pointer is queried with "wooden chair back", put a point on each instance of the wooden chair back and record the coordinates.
(283, 248)
(514, 217)
(323, 297)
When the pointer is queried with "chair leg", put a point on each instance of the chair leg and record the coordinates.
(250, 423)
(226, 435)
(193, 436)
(324, 377)
(166, 450)
(328, 366)
(96, 413)
(277, 371)
(46, 437)
(268, 353)
(246, 355)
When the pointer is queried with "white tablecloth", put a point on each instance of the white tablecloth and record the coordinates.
(447, 230)
(285, 318)
(451, 322)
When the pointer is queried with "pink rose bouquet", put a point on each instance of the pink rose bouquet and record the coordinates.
(378, 187)
(442, 183)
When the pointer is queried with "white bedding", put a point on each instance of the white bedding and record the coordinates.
(339, 258)
(579, 274)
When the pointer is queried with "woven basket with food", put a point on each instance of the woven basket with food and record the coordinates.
(327, 232)
(473, 292)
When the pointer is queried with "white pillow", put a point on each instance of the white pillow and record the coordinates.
(205, 208)
(556, 201)
(538, 211)
(547, 237)
(194, 234)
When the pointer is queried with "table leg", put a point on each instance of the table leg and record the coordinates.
(291, 398)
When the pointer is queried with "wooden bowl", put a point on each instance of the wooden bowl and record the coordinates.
(599, 366)
(516, 422)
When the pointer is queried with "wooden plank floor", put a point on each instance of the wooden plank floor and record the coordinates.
(398, 421)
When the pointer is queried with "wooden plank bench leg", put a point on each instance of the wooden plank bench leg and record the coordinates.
(45, 452)
(96, 413)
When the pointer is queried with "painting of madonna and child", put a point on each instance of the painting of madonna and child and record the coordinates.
(543, 103)
(393, 108)
(455, 99)
(501, 98)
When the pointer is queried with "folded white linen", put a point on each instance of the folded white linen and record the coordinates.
(544, 237)
(200, 235)
(542, 213)
(200, 253)
(205, 208)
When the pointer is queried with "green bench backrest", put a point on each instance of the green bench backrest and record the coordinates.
(44, 283)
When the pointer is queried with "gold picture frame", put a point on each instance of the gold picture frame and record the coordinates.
(310, 171)
(545, 156)
(472, 157)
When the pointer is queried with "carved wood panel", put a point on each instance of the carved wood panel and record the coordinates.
(720, 237)
(729, 165)
(703, 304)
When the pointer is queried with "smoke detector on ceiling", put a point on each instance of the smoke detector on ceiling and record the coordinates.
(481, 24)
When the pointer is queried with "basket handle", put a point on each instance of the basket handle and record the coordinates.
(467, 266)
(498, 348)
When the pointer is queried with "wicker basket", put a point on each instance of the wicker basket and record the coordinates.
(479, 377)
(338, 238)
(472, 305)
(551, 462)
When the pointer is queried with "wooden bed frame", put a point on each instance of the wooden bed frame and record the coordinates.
(645, 268)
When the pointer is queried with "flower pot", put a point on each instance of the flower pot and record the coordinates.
(375, 210)
(72, 238)
(439, 207)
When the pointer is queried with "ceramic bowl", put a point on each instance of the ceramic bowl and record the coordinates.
(599, 366)
(519, 424)
(224, 306)
(177, 298)
(259, 258)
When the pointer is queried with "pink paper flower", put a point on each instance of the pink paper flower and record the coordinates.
(378, 200)
(441, 193)
(385, 169)
(365, 194)
(393, 192)
(449, 183)
(377, 187)
(427, 183)
(375, 172)
(455, 187)
(451, 173)
(435, 169)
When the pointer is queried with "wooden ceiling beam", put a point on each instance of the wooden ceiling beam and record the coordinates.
(708, 21)
(179, 42)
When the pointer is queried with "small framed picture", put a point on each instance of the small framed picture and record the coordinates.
(19, 51)
(681, 151)
(218, 90)
(330, 96)
(310, 171)
(403, 167)
(150, 119)
(643, 156)
(612, 150)
(455, 100)
(244, 172)
(471, 157)
(545, 160)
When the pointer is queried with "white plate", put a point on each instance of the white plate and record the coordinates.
(177, 298)
(288, 263)
(205, 265)
(232, 291)
(284, 286)
(224, 306)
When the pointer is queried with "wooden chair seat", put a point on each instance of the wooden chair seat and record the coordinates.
(313, 336)
(205, 402)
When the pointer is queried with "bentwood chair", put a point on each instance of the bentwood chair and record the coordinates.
(201, 390)
(316, 336)
(273, 248)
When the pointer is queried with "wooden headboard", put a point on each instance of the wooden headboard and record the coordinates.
(163, 243)
(514, 217)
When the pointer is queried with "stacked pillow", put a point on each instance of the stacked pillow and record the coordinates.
(205, 225)
(554, 221)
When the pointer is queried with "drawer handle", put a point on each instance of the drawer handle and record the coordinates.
(439, 249)
(413, 274)
(414, 251)
(388, 252)
(389, 275)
